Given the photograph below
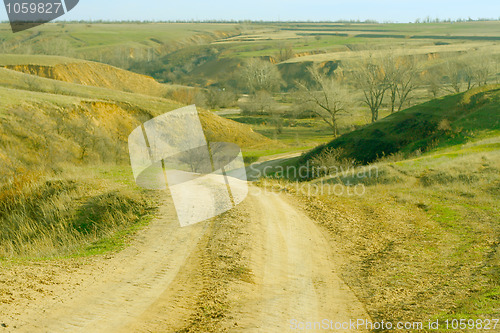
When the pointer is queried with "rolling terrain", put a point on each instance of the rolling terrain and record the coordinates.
(56, 135)
(401, 223)
(84, 73)
(451, 119)
(412, 204)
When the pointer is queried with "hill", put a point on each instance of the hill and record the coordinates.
(82, 72)
(113, 43)
(66, 185)
(51, 105)
(450, 119)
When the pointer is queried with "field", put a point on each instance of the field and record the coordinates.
(97, 39)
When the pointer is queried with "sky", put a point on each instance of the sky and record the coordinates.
(280, 10)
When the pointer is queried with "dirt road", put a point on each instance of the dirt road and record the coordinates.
(267, 165)
(253, 269)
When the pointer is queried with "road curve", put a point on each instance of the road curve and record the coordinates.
(154, 285)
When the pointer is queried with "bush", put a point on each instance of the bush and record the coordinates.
(106, 212)
(330, 159)
(215, 98)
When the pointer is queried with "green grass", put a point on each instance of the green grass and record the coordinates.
(299, 133)
(422, 242)
(123, 177)
(458, 28)
(438, 123)
(251, 156)
(116, 173)
(89, 39)
(126, 44)
(116, 242)
(326, 43)
(69, 215)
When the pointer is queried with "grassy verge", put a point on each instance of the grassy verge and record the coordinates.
(421, 241)
(78, 213)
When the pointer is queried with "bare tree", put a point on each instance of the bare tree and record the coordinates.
(259, 103)
(370, 77)
(285, 52)
(392, 73)
(326, 97)
(263, 103)
(196, 159)
(212, 98)
(408, 79)
(455, 75)
(263, 79)
(31, 81)
(219, 98)
(433, 80)
(495, 62)
(93, 140)
(483, 69)
(260, 75)
(460, 74)
(469, 72)
(402, 75)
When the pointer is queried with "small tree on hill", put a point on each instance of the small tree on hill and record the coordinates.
(370, 77)
(402, 75)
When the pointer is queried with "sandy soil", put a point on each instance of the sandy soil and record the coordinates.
(252, 269)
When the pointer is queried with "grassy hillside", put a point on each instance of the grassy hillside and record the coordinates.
(451, 119)
(415, 228)
(83, 72)
(203, 54)
(66, 186)
(416, 234)
(218, 61)
(419, 239)
(102, 41)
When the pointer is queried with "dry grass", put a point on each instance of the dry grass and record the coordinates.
(37, 60)
(43, 217)
(45, 208)
(422, 242)
(85, 73)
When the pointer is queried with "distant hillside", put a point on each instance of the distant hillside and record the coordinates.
(218, 129)
(45, 123)
(86, 73)
(422, 127)
(66, 184)
(112, 43)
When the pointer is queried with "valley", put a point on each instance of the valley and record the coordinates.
(83, 248)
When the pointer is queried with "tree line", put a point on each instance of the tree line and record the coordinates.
(382, 80)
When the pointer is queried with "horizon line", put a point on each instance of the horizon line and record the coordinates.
(426, 20)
